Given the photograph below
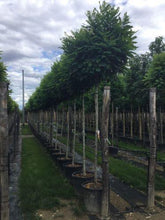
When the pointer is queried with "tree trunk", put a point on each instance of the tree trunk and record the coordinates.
(105, 213)
(112, 124)
(131, 123)
(83, 136)
(70, 130)
(161, 128)
(68, 127)
(57, 129)
(152, 159)
(62, 125)
(140, 123)
(42, 122)
(51, 127)
(96, 134)
(123, 123)
(74, 136)
(4, 187)
(117, 127)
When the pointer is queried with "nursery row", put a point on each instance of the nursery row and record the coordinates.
(73, 170)
(123, 125)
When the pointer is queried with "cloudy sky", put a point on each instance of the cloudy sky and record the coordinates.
(30, 33)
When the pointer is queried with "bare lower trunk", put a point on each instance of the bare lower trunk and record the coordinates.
(51, 127)
(112, 124)
(57, 129)
(62, 124)
(70, 130)
(83, 135)
(161, 128)
(68, 127)
(96, 135)
(123, 123)
(74, 136)
(131, 123)
(140, 123)
(117, 127)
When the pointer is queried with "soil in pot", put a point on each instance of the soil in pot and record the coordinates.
(92, 193)
(78, 178)
(70, 168)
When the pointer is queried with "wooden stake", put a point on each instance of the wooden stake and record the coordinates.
(105, 212)
(152, 159)
(4, 184)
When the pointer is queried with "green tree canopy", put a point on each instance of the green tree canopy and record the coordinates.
(99, 49)
(155, 76)
(3, 74)
(157, 46)
(95, 53)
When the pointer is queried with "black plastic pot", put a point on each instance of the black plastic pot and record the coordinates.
(69, 169)
(57, 154)
(63, 160)
(113, 150)
(78, 178)
(92, 197)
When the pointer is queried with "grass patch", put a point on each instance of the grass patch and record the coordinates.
(41, 183)
(161, 156)
(26, 130)
(130, 146)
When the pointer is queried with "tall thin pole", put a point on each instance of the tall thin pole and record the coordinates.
(152, 158)
(23, 111)
(105, 212)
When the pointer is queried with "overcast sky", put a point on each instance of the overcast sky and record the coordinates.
(30, 33)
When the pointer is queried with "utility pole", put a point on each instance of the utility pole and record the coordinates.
(23, 111)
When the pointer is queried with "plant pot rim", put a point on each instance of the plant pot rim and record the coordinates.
(58, 153)
(82, 177)
(66, 164)
(91, 189)
(64, 158)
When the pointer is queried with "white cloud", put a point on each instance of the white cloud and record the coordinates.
(30, 32)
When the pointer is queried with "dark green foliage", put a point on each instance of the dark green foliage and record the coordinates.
(137, 93)
(157, 46)
(155, 76)
(11, 104)
(3, 74)
(99, 49)
(92, 54)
